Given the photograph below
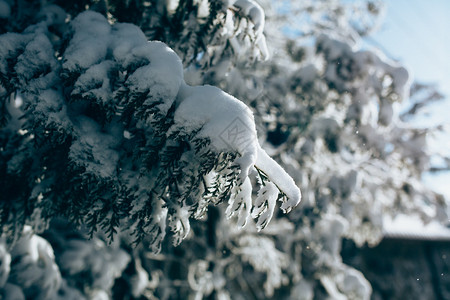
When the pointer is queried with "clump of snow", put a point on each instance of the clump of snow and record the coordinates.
(12, 292)
(179, 223)
(95, 82)
(5, 263)
(89, 44)
(53, 14)
(37, 56)
(5, 9)
(93, 149)
(263, 256)
(160, 78)
(265, 205)
(303, 290)
(347, 284)
(353, 284)
(36, 271)
(255, 13)
(51, 109)
(281, 178)
(105, 263)
(124, 38)
(243, 28)
(11, 43)
(214, 111)
(140, 281)
(350, 69)
(240, 202)
(200, 279)
(230, 126)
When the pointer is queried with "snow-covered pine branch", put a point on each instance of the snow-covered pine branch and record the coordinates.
(114, 138)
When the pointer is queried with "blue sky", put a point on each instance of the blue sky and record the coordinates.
(417, 33)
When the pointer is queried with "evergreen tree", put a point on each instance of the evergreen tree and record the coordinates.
(117, 162)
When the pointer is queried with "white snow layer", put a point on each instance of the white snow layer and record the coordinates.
(230, 126)
(265, 205)
(161, 78)
(412, 227)
(255, 13)
(89, 43)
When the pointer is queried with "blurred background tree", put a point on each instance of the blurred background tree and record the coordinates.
(325, 108)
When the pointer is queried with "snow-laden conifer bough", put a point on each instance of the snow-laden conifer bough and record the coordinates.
(210, 112)
(146, 149)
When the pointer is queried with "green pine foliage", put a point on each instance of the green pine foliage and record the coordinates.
(91, 124)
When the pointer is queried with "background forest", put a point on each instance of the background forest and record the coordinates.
(132, 171)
